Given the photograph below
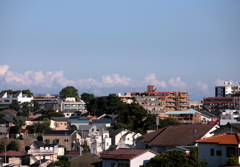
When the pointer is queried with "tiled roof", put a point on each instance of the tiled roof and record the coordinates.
(41, 118)
(177, 135)
(12, 153)
(31, 118)
(60, 118)
(124, 153)
(226, 138)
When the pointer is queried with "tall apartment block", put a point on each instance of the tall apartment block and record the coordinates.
(159, 101)
(227, 90)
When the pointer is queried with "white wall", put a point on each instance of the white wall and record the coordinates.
(213, 161)
(142, 159)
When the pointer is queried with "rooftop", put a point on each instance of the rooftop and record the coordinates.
(124, 153)
(226, 138)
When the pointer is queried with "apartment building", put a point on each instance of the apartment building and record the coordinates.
(221, 103)
(159, 101)
(228, 90)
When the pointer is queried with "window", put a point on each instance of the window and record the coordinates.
(112, 164)
(219, 153)
(231, 151)
(55, 141)
(212, 152)
(65, 140)
(47, 141)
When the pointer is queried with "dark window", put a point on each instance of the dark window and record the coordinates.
(47, 141)
(212, 152)
(219, 153)
(231, 151)
(65, 140)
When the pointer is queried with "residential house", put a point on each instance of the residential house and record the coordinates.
(4, 128)
(70, 139)
(61, 123)
(29, 120)
(127, 157)
(12, 157)
(9, 112)
(6, 99)
(228, 128)
(79, 123)
(229, 116)
(41, 119)
(70, 103)
(124, 138)
(72, 113)
(114, 118)
(103, 122)
(172, 136)
(217, 149)
(40, 151)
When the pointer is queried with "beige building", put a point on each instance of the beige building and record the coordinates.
(70, 139)
(158, 101)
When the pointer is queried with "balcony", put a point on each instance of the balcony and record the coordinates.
(38, 151)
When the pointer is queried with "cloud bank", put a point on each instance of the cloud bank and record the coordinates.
(53, 82)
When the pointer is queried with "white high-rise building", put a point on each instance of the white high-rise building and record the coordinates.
(227, 90)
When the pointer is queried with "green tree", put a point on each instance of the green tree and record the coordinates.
(12, 146)
(63, 161)
(2, 147)
(25, 109)
(36, 106)
(193, 159)
(87, 97)
(69, 91)
(15, 105)
(18, 122)
(232, 161)
(2, 115)
(168, 159)
(73, 127)
(27, 92)
(50, 112)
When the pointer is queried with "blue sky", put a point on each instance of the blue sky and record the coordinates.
(104, 47)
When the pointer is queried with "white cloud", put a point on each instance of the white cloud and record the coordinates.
(177, 83)
(151, 79)
(203, 87)
(3, 69)
(115, 79)
(220, 82)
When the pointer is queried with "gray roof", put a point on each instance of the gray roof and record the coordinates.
(42, 144)
(10, 119)
(115, 132)
(61, 132)
(85, 127)
(60, 118)
(41, 118)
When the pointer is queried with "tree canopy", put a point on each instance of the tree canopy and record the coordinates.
(52, 113)
(131, 116)
(12, 146)
(69, 91)
(18, 122)
(27, 92)
(176, 158)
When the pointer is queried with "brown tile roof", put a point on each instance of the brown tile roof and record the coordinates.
(226, 138)
(177, 135)
(125, 153)
(31, 118)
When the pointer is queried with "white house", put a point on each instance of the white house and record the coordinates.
(6, 99)
(217, 149)
(127, 157)
(40, 151)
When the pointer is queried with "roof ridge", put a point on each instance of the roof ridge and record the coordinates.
(211, 137)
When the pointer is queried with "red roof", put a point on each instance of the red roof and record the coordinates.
(12, 153)
(11, 110)
(124, 153)
(219, 98)
(226, 138)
